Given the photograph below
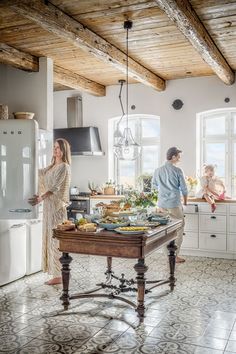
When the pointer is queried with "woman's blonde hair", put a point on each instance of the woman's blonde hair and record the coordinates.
(208, 168)
(65, 148)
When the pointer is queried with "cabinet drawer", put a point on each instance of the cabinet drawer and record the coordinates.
(212, 242)
(232, 223)
(232, 209)
(190, 240)
(213, 223)
(190, 209)
(206, 208)
(231, 243)
(191, 222)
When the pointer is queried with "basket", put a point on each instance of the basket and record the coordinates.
(109, 190)
(23, 115)
(3, 111)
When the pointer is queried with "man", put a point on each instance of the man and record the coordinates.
(169, 181)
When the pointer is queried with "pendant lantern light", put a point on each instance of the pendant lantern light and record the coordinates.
(126, 148)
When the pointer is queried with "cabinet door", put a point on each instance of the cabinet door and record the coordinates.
(206, 208)
(191, 209)
(213, 223)
(232, 209)
(190, 240)
(34, 247)
(12, 250)
(212, 242)
(231, 243)
(232, 223)
(191, 222)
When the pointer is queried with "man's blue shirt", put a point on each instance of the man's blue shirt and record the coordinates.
(169, 181)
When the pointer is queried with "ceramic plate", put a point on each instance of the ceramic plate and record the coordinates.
(130, 232)
(111, 226)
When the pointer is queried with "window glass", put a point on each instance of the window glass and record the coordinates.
(234, 171)
(127, 172)
(234, 122)
(146, 132)
(150, 158)
(215, 154)
(150, 128)
(215, 126)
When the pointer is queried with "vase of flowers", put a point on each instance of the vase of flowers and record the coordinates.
(141, 200)
(191, 184)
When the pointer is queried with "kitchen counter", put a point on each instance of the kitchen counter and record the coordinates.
(200, 200)
(107, 196)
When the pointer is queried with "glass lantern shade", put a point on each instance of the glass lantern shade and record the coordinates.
(127, 148)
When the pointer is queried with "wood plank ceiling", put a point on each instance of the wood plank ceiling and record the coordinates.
(170, 39)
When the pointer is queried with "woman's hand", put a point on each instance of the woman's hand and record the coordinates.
(36, 199)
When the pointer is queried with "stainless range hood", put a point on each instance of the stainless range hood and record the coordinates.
(83, 140)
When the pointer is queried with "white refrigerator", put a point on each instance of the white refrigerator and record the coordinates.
(23, 149)
(18, 168)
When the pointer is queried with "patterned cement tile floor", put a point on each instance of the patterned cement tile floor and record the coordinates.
(198, 317)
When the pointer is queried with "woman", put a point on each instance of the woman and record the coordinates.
(54, 182)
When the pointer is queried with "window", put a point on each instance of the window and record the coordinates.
(146, 132)
(218, 145)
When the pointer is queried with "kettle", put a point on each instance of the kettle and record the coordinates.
(74, 191)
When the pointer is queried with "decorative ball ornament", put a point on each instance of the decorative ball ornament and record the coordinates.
(177, 104)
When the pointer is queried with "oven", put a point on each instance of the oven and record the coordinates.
(79, 204)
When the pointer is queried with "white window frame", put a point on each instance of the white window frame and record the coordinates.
(229, 139)
(113, 171)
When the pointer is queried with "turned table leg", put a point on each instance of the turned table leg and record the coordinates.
(109, 270)
(172, 255)
(65, 260)
(140, 269)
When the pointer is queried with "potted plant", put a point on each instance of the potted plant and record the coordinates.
(109, 188)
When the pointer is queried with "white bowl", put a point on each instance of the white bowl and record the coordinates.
(23, 115)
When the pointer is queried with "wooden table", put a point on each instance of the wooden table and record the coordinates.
(112, 244)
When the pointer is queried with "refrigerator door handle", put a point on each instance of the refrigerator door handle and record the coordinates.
(20, 210)
(17, 226)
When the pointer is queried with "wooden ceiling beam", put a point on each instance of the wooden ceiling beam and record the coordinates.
(17, 58)
(28, 62)
(188, 22)
(57, 22)
(68, 78)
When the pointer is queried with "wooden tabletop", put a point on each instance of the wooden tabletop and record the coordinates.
(110, 243)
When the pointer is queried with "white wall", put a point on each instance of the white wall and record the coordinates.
(178, 127)
(29, 92)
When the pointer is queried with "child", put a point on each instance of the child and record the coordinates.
(212, 188)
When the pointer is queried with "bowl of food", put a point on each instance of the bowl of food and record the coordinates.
(163, 220)
(23, 115)
(111, 223)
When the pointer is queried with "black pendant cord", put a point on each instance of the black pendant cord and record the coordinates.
(127, 76)
(127, 25)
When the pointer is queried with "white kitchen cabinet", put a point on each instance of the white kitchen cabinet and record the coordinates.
(232, 223)
(190, 235)
(12, 250)
(190, 239)
(34, 246)
(212, 223)
(191, 222)
(212, 241)
(205, 208)
(231, 243)
(210, 234)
